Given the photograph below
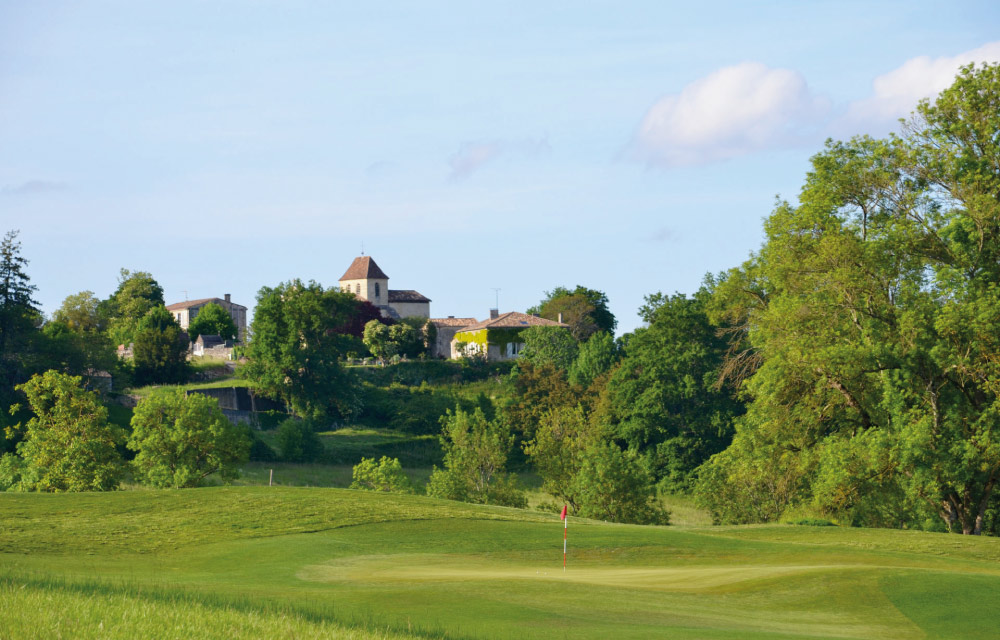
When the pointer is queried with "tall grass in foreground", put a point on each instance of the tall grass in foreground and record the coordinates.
(45, 609)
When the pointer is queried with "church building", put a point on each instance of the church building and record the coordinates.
(367, 281)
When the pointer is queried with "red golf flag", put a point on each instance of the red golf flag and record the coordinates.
(562, 516)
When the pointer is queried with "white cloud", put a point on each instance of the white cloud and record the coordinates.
(731, 112)
(472, 156)
(895, 94)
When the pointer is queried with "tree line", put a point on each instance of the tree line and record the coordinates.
(847, 370)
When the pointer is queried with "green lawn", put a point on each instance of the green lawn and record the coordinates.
(301, 562)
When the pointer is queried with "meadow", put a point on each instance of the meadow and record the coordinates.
(318, 562)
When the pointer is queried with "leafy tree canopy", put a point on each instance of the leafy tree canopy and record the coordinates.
(137, 294)
(870, 318)
(584, 310)
(18, 311)
(663, 399)
(294, 354)
(68, 445)
(475, 458)
(385, 475)
(548, 346)
(212, 320)
(182, 439)
(160, 349)
(79, 312)
(596, 357)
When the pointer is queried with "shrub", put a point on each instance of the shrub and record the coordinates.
(475, 456)
(298, 442)
(384, 475)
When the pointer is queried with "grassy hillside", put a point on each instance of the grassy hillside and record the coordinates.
(296, 562)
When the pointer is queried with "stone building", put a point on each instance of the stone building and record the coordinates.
(498, 337)
(187, 311)
(446, 330)
(367, 281)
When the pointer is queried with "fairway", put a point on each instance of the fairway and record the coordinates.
(295, 562)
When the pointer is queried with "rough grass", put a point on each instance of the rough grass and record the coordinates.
(284, 562)
(53, 611)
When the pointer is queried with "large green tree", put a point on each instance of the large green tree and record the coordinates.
(294, 352)
(663, 400)
(80, 312)
(548, 346)
(596, 357)
(475, 458)
(584, 310)
(68, 445)
(137, 294)
(869, 323)
(160, 349)
(180, 439)
(18, 311)
(212, 320)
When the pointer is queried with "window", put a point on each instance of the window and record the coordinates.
(377, 291)
(357, 289)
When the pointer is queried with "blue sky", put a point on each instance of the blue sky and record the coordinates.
(629, 147)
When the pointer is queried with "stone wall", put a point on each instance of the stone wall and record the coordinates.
(412, 309)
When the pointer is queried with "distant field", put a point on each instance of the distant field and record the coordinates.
(304, 563)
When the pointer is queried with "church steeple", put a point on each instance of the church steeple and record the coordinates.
(367, 281)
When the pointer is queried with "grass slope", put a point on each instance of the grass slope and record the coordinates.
(296, 562)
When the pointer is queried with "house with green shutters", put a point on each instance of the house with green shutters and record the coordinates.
(498, 337)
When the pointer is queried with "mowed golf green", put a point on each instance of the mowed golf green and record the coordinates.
(295, 562)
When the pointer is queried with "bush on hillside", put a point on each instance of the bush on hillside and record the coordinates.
(298, 442)
(384, 475)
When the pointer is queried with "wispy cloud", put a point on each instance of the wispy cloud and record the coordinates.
(474, 155)
(32, 187)
(663, 235)
(731, 112)
(895, 94)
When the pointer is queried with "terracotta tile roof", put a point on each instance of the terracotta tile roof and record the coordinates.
(406, 295)
(454, 322)
(363, 268)
(514, 320)
(187, 304)
(200, 302)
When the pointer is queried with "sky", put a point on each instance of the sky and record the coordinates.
(629, 147)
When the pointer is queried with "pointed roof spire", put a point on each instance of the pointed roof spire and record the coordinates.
(363, 268)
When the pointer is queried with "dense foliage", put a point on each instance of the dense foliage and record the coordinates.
(475, 458)
(869, 334)
(212, 320)
(385, 474)
(180, 439)
(160, 349)
(584, 310)
(663, 400)
(294, 353)
(68, 445)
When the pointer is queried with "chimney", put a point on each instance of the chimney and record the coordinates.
(494, 314)
(451, 317)
(560, 317)
(227, 298)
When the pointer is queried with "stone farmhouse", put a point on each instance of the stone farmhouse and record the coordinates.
(187, 311)
(446, 330)
(367, 281)
(498, 337)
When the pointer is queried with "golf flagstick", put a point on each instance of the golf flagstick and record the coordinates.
(565, 519)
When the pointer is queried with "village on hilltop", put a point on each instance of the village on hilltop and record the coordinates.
(495, 338)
